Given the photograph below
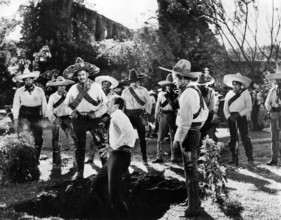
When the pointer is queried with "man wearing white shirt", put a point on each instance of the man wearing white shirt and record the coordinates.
(273, 105)
(191, 116)
(237, 104)
(58, 114)
(87, 103)
(29, 108)
(137, 106)
(121, 141)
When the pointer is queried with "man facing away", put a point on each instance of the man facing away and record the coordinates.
(121, 141)
(87, 103)
(137, 105)
(273, 105)
(58, 114)
(29, 108)
(237, 105)
(191, 116)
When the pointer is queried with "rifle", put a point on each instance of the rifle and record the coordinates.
(236, 146)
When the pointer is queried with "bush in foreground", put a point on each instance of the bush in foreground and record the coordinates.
(18, 161)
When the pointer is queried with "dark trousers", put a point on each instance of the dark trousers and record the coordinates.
(138, 124)
(33, 123)
(111, 173)
(81, 125)
(243, 130)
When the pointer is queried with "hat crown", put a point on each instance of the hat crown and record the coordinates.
(169, 78)
(182, 66)
(60, 79)
(205, 77)
(26, 71)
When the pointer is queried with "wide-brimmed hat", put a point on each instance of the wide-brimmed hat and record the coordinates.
(168, 81)
(205, 78)
(228, 79)
(133, 76)
(113, 81)
(79, 65)
(274, 76)
(183, 67)
(27, 74)
(60, 81)
(151, 92)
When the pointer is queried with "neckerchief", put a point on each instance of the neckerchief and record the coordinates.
(83, 94)
(30, 89)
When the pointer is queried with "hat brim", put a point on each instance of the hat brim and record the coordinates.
(274, 76)
(206, 83)
(165, 83)
(228, 79)
(60, 83)
(191, 75)
(70, 71)
(162, 68)
(114, 82)
(135, 79)
(34, 74)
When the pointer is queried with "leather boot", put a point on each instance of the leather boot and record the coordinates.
(193, 208)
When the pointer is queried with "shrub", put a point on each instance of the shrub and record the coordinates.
(18, 162)
(214, 174)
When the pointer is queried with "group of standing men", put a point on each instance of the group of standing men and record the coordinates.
(187, 113)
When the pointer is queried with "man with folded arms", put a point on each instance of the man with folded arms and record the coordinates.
(121, 141)
(87, 103)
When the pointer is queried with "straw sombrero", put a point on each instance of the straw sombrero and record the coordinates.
(183, 67)
(27, 74)
(79, 65)
(274, 76)
(113, 81)
(167, 82)
(60, 81)
(228, 79)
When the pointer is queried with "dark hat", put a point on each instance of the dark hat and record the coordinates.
(79, 65)
(133, 76)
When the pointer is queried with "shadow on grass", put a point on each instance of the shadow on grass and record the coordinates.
(232, 209)
(266, 173)
(260, 184)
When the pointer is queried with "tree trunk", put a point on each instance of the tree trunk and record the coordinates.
(66, 15)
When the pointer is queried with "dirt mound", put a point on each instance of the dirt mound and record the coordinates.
(148, 196)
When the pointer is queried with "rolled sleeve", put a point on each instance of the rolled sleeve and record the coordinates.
(248, 104)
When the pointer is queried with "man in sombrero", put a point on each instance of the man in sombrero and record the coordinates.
(58, 114)
(203, 82)
(29, 107)
(165, 112)
(273, 105)
(108, 83)
(191, 116)
(137, 105)
(87, 103)
(237, 105)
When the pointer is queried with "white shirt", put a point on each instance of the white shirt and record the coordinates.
(210, 99)
(242, 105)
(24, 98)
(131, 103)
(111, 94)
(272, 99)
(189, 102)
(95, 92)
(121, 131)
(61, 110)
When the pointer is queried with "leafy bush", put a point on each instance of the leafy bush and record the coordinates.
(18, 162)
(213, 172)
